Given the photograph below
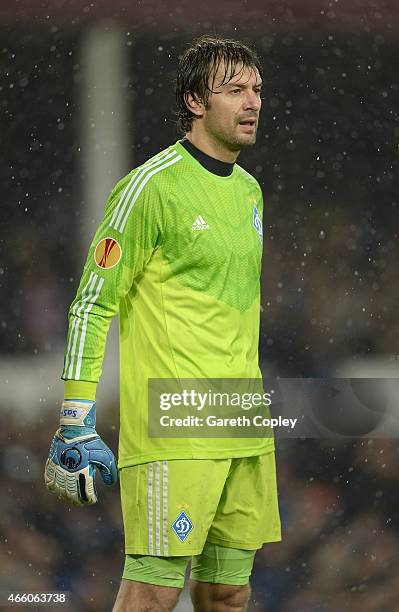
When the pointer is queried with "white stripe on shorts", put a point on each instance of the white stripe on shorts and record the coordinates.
(165, 507)
(157, 509)
(150, 526)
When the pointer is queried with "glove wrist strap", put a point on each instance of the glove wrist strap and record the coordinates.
(78, 413)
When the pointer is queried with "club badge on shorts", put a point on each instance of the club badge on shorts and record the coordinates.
(182, 526)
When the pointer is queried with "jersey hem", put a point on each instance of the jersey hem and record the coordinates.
(206, 454)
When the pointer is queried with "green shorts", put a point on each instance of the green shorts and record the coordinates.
(171, 508)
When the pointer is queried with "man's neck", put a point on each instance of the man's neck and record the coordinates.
(211, 147)
(211, 164)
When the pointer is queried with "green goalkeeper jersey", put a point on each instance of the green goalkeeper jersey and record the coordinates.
(178, 257)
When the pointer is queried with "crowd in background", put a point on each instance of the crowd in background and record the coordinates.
(325, 157)
(325, 160)
(338, 504)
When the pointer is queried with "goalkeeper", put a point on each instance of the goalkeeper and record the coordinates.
(178, 257)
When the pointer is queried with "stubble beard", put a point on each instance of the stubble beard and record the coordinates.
(235, 142)
(247, 141)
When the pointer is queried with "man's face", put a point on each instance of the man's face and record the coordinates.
(232, 113)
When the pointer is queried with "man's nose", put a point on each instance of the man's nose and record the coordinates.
(252, 101)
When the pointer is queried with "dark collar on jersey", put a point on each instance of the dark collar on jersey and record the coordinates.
(210, 163)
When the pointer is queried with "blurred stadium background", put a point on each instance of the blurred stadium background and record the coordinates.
(87, 93)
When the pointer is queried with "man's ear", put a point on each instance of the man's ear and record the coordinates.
(194, 104)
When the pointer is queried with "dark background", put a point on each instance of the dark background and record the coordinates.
(326, 158)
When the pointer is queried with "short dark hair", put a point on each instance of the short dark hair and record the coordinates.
(200, 62)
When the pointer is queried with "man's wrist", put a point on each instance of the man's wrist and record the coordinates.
(83, 389)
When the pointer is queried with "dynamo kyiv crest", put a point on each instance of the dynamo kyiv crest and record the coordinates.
(257, 223)
(182, 526)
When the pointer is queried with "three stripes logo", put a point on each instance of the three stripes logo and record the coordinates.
(199, 224)
(157, 497)
(107, 253)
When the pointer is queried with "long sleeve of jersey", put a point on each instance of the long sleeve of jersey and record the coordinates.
(129, 233)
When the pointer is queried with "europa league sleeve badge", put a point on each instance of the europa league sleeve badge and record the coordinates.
(107, 253)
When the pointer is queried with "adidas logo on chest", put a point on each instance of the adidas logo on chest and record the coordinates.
(199, 225)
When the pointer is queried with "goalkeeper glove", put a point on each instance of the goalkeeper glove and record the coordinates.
(75, 453)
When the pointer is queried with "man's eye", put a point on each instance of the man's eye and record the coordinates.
(237, 90)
